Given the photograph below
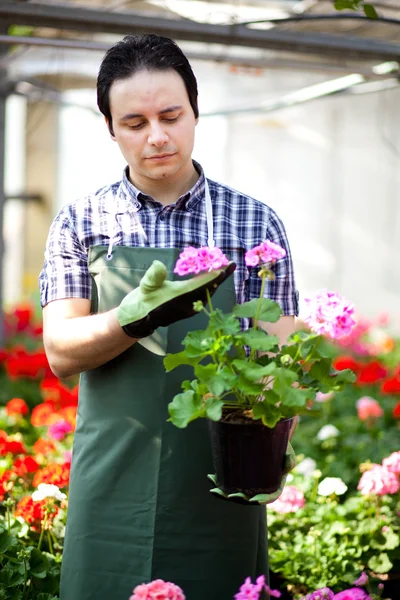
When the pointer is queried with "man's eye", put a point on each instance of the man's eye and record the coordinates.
(170, 119)
(137, 126)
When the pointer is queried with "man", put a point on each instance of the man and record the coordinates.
(140, 507)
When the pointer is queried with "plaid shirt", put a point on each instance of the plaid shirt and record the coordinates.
(134, 219)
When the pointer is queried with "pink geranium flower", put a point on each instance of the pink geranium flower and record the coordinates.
(352, 594)
(196, 260)
(329, 314)
(252, 591)
(362, 580)
(290, 500)
(392, 463)
(59, 430)
(378, 480)
(157, 590)
(321, 594)
(266, 253)
(368, 408)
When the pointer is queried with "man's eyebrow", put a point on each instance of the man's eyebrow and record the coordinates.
(129, 116)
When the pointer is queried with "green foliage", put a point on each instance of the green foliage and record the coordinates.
(369, 9)
(26, 572)
(269, 387)
(328, 544)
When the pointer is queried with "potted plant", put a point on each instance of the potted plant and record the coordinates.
(248, 387)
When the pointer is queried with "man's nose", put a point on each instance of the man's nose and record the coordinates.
(157, 136)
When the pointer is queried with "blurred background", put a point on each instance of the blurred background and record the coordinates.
(299, 108)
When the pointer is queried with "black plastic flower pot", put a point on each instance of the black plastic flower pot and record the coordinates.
(248, 456)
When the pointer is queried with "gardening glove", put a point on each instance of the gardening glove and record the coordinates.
(158, 302)
(241, 498)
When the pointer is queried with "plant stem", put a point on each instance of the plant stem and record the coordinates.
(25, 578)
(50, 543)
(209, 300)
(259, 305)
(44, 523)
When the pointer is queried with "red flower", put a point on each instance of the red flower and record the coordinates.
(391, 385)
(3, 355)
(55, 473)
(396, 411)
(60, 395)
(345, 362)
(43, 415)
(21, 364)
(10, 445)
(33, 512)
(17, 406)
(370, 373)
(23, 315)
(25, 465)
(5, 483)
(42, 446)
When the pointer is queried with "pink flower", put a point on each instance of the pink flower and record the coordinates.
(59, 430)
(266, 253)
(195, 260)
(157, 590)
(329, 314)
(378, 480)
(321, 397)
(68, 457)
(352, 594)
(392, 462)
(290, 500)
(321, 594)
(362, 580)
(368, 408)
(252, 591)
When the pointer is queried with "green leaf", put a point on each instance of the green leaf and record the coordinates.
(46, 597)
(39, 564)
(380, 563)
(171, 361)
(268, 413)
(258, 339)
(213, 407)
(10, 577)
(184, 408)
(345, 376)
(321, 369)
(252, 371)
(249, 388)
(370, 11)
(216, 381)
(347, 4)
(385, 540)
(270, 310)
(227, 324)
(198, 344)
(6, 542)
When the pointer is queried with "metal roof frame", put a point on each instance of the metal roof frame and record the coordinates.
(121, 23)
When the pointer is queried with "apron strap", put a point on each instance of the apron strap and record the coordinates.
(209, 216)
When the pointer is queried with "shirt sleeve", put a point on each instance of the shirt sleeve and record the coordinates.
(65, 271)
(283, 288)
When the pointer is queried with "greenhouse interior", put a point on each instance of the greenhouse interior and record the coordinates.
(200, 207)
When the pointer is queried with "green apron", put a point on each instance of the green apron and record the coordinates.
(139, 506)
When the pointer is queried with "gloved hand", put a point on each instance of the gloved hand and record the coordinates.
(158, 302)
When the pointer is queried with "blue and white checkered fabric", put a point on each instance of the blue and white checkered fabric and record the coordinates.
(134, 219)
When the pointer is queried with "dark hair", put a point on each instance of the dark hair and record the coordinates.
(142, 53)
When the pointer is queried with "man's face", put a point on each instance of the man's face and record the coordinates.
(154, 125)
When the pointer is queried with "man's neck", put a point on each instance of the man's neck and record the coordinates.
(167, 191)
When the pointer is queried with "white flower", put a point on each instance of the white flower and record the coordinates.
(327, 431)
(306, 467)
(47, 490)
(332, 485)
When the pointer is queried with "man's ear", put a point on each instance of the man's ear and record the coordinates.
(110, 129)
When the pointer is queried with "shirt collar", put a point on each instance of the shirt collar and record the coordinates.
(137, 199)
